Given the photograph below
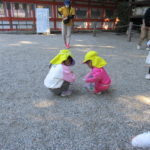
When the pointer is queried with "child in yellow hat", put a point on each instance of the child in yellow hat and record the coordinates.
(97, 80)
(60, 76)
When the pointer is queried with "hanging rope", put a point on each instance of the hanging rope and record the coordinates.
(128, 26)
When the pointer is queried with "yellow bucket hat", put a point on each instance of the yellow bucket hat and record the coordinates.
(97, 61)
(62, 56)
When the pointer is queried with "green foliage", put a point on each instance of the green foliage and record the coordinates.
(123, 13)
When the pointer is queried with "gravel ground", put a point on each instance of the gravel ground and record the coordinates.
(31, 118)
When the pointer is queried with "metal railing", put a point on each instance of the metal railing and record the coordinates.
(17, 27)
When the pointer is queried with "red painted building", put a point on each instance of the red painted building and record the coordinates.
(20, 14)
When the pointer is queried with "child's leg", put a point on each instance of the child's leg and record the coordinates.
(64, 32)
(142, 36)
(149, 71)
(68, 36)
(56, 91)
(65, 86)
(102, 88)
(65, 89)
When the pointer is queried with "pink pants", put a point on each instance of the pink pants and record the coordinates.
(101, 88)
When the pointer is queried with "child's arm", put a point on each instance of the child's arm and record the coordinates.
(68, 75)
(95, 77)
(88, 75)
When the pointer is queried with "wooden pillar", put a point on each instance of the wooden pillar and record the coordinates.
(130, 31)
(34, 16)
(55, 16)
(88, 14)
(103, 16)
(94, 29)
(5, 8)
(8, 6)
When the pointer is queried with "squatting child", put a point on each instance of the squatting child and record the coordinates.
(60, 76)
(97, 80)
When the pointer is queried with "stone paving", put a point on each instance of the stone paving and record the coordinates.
(31, 118)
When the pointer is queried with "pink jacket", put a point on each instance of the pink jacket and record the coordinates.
(99, 76)
(68, 74)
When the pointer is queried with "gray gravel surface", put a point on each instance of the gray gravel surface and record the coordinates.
(31, 118)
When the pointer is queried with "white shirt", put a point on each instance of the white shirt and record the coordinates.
(54, 78)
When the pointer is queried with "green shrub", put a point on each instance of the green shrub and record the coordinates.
(123, 13)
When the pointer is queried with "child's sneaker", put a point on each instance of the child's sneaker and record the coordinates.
(66, 93)
(138, 47)
(99, 93)
(68, 46)
(147, 77)
(147, 48)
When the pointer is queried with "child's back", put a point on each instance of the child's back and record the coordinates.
(59, 77)
(101, 74)
(54, 78)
